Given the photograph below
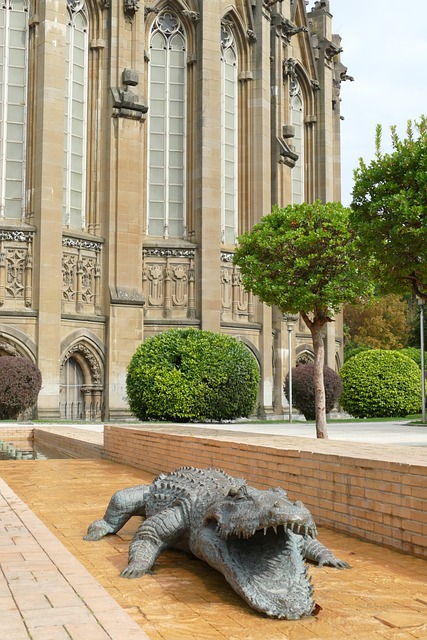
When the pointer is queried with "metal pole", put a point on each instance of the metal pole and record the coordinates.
(423, 379)
(290, 371)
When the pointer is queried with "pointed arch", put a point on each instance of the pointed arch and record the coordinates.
(81, 379)
(16, 343)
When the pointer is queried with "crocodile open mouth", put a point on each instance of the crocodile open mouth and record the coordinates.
(266, 568)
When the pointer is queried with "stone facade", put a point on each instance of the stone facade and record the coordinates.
(137, 142)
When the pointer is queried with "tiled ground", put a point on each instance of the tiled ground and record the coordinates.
(384, 595)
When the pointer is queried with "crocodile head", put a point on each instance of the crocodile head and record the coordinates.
(255, 539)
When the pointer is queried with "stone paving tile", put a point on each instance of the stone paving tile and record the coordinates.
(39, 596)
(383, 597)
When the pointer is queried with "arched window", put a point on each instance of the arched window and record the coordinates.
(13, 99)
(229, 133)
(71, 395)
(74, 195)
(297, 121)
(167, 128)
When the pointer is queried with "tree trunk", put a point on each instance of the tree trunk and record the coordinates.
(316, 328)
(318, 380)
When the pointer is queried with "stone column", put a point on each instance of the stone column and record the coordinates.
(125, 179)
(47, 197)
(208, 167)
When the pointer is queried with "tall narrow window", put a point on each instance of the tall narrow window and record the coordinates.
(13, 94)
(297, 120)
(228, 137)
(74, 197)
(167, 128)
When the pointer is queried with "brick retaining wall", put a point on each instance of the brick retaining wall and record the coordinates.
(364, 493)
(73, 446)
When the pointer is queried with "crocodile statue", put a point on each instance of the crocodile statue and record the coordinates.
(259, 540)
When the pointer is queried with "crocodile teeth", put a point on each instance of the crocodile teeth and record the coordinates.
(265, 531)
(275, 530)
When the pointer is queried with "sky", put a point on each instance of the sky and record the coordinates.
(385, 49)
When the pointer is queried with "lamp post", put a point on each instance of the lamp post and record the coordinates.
(290, 321)
(423, 380)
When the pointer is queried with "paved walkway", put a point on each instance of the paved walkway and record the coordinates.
(400, 432)
(45, 592)
(55, 586)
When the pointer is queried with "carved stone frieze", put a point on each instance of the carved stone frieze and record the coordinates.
(16, 269)
(236, 302)
(81, 273)
(79, 243)
(16, 235)
(168, 281)
(163, 252)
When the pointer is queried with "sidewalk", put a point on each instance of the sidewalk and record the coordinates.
(45, 593)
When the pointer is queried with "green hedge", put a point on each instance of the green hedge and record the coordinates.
(192, 376)
(379, 383)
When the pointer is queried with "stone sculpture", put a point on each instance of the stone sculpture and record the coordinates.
(259, 540)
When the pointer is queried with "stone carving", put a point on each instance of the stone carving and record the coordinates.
(168, 282)
(192, 15)
(16, 268)
(90, 359)
(130, 7)
(81, 274)
(16, 236)
(257, 539)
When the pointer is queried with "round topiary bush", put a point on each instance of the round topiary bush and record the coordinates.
(192, 376)
(303, 397)
(379, 384)
(20, 383)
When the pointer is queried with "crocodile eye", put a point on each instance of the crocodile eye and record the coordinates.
(239, 493)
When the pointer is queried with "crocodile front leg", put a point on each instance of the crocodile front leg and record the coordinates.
(317, 552)
(153, 536)
(123, 505)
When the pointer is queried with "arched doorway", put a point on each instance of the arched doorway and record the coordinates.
(81, 385)
(71, 400)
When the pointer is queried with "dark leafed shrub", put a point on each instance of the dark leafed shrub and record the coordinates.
(380, 383)
(192, 376)
(20, 383)
(303, 389)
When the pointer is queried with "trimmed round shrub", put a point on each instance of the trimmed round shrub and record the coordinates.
(380, 384)
(303, 397)
(20, 384)
(414, 354)
(192, 376)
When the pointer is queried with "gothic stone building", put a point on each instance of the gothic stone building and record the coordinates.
(137, 141)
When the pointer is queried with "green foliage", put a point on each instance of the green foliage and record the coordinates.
(350, 350)
(414, 354)
(379, 383)
(20, 384)
(303, 396)
(192, 376)
(389, 211)
(303, 258)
